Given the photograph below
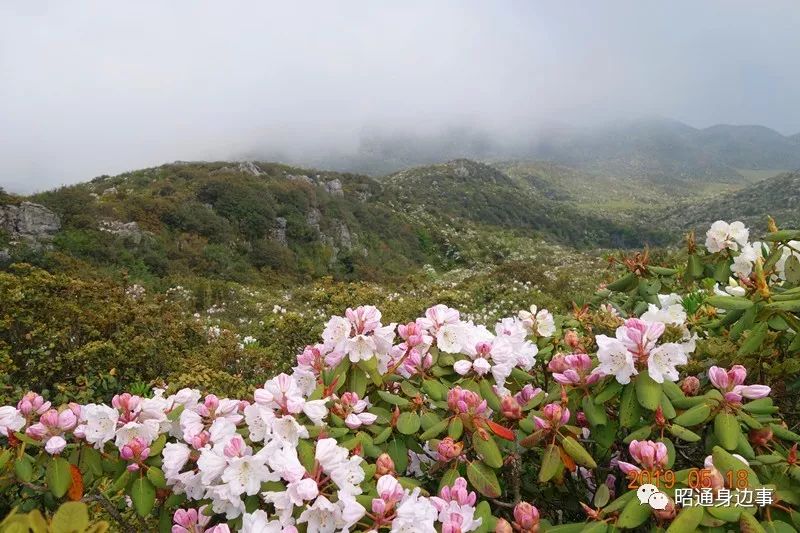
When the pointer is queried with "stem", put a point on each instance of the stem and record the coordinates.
(109, 508)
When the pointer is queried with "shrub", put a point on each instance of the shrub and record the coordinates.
(580, 422)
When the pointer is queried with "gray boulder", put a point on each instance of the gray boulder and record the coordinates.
(29, 222)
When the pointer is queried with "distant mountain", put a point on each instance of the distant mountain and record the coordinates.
(464, 189)
(653, 150)
(245, 221)
(670, 150)
(778, 197)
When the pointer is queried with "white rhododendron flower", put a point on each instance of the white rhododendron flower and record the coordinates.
(723, 236)
(539, 321)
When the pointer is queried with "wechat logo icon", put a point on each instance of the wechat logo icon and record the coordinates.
(649, 494)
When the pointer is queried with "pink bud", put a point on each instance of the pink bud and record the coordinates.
(526, 516)
(185, 518)
(719, 378)
(234, 448)
(510, 408)
(448, 449)
(690, 386)
(502, 526)
(384, 464)
(50, 418)
(378, 506)
(737, 374)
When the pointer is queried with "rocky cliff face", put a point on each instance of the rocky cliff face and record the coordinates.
(29, 222)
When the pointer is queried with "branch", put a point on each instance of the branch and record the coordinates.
(109, 508)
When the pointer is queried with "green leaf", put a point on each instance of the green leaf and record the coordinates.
(487, 393)
(370, 367)
(610, 391)
(696, 415)
(625, 283)
(727, 430)
(687, 520)
(358, 381)
(648, 392)
(408, 423)
(484, 512)
(397, 450)
(575, 450)
(70, 517)
(783, 433)
(634, 514)
(749, 524)
(783, 235)
(143, 495)
(640, 434)
(380, 438)
(595, 414)
(722, 271)
(393, 399)
(601, 495)
(409, 389)
(456, 428)
(435, 430)
(792, 269)
(694, 267)
(488, 449)
(434, 389)
(683, 433)
(551, 463)
(305, 453)
(156, 477)
(58, 476)
(23, 469)
(725, 463)
(483, 479)
(629, 409)
(448, 478)
(729, 302)
(754, 339)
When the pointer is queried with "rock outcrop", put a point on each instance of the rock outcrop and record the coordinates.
(125, 230)
(31, 223)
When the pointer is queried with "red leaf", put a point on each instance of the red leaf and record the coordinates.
(500, 431)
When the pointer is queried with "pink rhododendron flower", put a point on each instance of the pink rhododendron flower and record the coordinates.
(649, 454)
(553, 417)
(526, 517)
(573, 369)
(731, 383)
(465, 401)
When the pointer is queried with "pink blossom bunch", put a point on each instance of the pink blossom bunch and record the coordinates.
(573, 369)
(353, 410)
(52, 427)
(463, 401)
(136, 451)
(731, 383)
(527, 393)
(32, 404)
(554, 415)
(650, 455)
(456, 507)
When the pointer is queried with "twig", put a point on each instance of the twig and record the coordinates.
(111, 510)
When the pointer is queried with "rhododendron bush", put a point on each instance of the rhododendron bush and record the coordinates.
(535, 423)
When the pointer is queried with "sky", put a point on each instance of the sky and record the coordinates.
(90, 88)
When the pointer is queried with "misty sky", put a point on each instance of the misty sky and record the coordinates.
(90, 88)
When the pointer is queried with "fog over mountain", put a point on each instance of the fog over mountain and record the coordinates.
(89, 88)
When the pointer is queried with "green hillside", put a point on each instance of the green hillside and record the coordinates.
(778, 197)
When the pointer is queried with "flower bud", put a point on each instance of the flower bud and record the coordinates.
(448, 449)
(510, 408)
(572, 339)
(690, 386)
(384, 465)
(760, 437)
(502, 526)
(527, 517)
